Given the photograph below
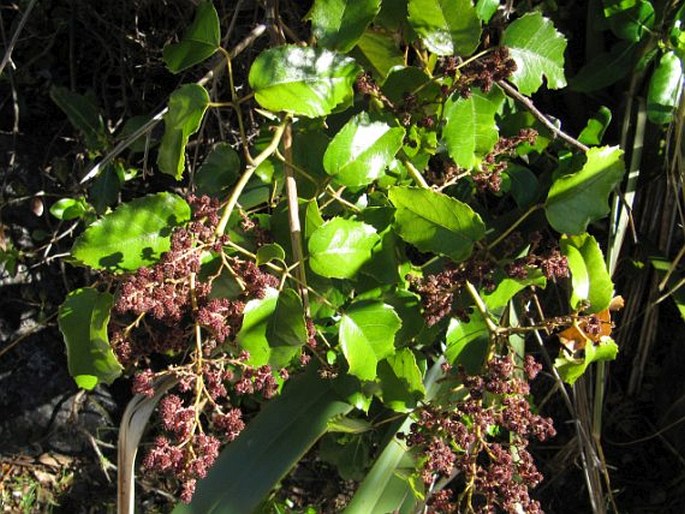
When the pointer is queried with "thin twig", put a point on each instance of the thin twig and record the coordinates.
(513, 92)
(15, 36)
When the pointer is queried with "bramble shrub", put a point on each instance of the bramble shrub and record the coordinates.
(366, 263)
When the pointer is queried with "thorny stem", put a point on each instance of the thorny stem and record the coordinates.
(249, 171)
(513, 92)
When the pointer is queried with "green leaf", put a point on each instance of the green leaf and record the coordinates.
(257, 329)
(434, 222)
(576, 199)
(287, 326)
(666, 270)
(218, 172)
(589, 276)
(340, 247)
(338, 25)
(467, 343)
(305, 81)
(405, 80)
(538, 50)
(69, 208)
(605, 68)
(269, 252)
(571, 369)
(269, 447)
(470, 130)
(106, 187)
(83, 319)
(135, 234)
(199, 42)
(361, 150)
(593, 132)
(508, 287)
(187, 106)
(350, 455)
(378, 52)
(83, 114)
(521, 183)
(485, 9)
(629, 19)
(367, 335)
(446, 27)
(665, 89)
(401, 381)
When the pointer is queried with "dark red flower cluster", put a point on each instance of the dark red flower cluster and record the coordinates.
(482, 73)
(489, 176)
(484, 438)
(438, 290)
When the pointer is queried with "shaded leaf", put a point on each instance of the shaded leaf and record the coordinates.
(135, 234)
(629, 20)
(187, 106)
(83, 114)
(590, 278)
(200, 41)
(340, 247)
(401, 381)
(538, 50)
(605, 68)
(269, 252)
(218, 172)
(446, 28)
(367, 335)
(287, 327)
(378, 52)
(470, 130)
(83, 319)
(361, 150)
(467, 343)
(665, 89)
(105, 189)
(435, 222)
(576, 199)
(305, 81)
(339, 25)
(521, 183)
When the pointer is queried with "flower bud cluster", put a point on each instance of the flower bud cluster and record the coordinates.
(484, 438)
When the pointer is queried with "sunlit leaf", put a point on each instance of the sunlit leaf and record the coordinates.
(470, 129)
(367, 335)
(593, 132)
(467, 342)
(446, 28)
(340, 247)
(199, 42)
(135, 234)
(665, 89)
(590, 280)
(338, 25)
(83, 319)
(576, 199)
(361, 150)
(435, 222)
(571, 369)
(306, 81)
(187, 106)
(378, 52)
(538, 50)
(629, 19)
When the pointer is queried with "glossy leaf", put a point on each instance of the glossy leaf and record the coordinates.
(187, 106)
(467, 342)
(218, 172)
(200, 41)
(593, 132)
(286, 327)
(83, 319)
(269, 447)
(269, 252)
(338, 25)
(576, 199)
(361, 150)
(629, 20)
(340, 247)
(378, 52)
(446, 28)
(605, 68)
(538, 50)
(367, 335)
(665, 89)
(257, 328)
(83, 114)
(69, 208)
(485, 9)
(401, 381)
(470, 130)
(135, 234)
(506, 288)
(571, 369)
(590, 279)
(304, 81)
(435, 222)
